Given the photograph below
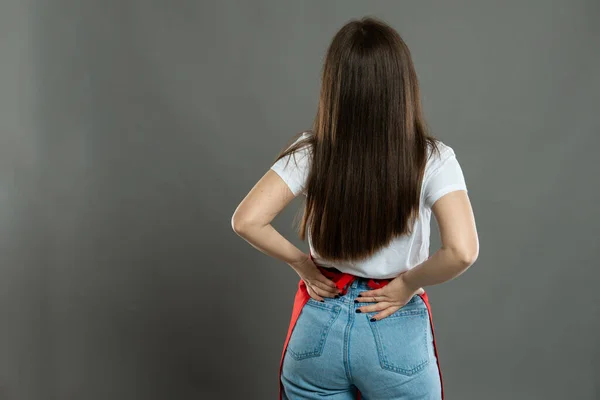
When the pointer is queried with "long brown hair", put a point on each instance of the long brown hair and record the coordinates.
(369, 145)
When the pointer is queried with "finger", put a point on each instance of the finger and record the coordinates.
(323, 292)
(313, 294)
(382, 305)
(385, 313)
(327, 281)
(371, 293)
(369, 299)
(326, 287)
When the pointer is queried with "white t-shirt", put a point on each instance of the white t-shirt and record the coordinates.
(443, 175)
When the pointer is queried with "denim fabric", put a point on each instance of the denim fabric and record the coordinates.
(333, 351)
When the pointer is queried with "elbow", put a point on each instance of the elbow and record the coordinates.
(238, 224)
(469, 258)
(242, 225)
(465, 256)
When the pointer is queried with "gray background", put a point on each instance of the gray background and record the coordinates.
(130, 131)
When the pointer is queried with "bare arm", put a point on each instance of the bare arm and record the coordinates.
(460, 244)
(252, 219)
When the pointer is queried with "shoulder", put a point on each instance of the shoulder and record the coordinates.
(294, 167)
(438, 156)
(443, 173)
(305, 149)
(444, 151)
(443, 155)
(305, 136)
(300, 155)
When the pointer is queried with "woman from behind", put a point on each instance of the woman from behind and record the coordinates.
(371, 176)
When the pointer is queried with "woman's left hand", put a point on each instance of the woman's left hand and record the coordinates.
(388, 299)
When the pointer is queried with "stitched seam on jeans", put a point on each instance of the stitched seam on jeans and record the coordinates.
(326, 306)
(407, 313)
(383, 360)
(335, 312)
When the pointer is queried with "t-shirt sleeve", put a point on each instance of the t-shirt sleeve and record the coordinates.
(294, 168)
(444, 176)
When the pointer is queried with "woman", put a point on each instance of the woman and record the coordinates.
(371, 176)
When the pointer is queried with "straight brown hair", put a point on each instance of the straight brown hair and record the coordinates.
(369, 145)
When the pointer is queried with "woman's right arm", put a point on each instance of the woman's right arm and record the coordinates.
(460, 244)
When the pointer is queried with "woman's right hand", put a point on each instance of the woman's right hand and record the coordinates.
(317, 284)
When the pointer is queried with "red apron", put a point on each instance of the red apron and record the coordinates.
(343, 281)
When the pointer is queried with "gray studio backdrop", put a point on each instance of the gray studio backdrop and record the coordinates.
(130, 130)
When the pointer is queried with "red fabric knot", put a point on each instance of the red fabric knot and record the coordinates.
(343, 280)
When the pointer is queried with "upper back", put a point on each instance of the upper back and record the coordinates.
(442, 175)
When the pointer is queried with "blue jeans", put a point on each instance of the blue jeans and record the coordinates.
(334, 351)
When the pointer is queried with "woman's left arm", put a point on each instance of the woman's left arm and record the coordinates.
(252, 219)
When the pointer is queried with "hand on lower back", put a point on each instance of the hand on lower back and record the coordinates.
(387, 299)
(317, 284)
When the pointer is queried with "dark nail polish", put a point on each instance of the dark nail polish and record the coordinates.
(372, 320)
(356, 301)
(358, 311)
(337, 296)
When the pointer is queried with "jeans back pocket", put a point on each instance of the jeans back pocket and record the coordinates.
(403, 339)
(311, 329)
